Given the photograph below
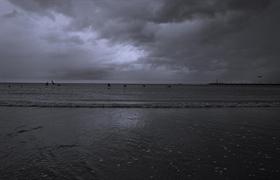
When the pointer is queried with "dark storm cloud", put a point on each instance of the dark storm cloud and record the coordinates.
(82, 73)
(42, 6)
(58, 38)
(12, 14)
(191, 40)
(179, 10)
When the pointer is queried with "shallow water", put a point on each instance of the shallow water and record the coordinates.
(137, 95)
(63, 143)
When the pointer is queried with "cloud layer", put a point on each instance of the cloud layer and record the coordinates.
(147, 40)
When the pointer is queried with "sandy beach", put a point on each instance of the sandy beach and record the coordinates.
(120, 143)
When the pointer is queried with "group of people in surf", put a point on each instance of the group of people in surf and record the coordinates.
(52, 83)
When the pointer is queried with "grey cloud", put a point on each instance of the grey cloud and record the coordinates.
(12, 14)
(58, 38)
(178, 10)
(196, 40)
(82, 74)
(42, 6)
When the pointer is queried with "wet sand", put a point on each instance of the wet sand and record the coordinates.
(63, 143)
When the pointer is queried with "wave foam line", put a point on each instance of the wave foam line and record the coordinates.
(193, 104)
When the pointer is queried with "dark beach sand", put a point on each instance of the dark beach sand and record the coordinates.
(63, 143)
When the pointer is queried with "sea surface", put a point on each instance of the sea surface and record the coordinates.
(96, 131)
(139, 95)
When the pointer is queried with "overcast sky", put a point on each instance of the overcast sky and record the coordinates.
(192, 41)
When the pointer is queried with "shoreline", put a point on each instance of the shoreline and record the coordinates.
(143, 83)
(169, 105)
(138, 96)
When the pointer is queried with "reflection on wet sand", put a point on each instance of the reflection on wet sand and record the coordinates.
(66, 143)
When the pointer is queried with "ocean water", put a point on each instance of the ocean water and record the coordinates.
(138, 95)
(139, 143)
